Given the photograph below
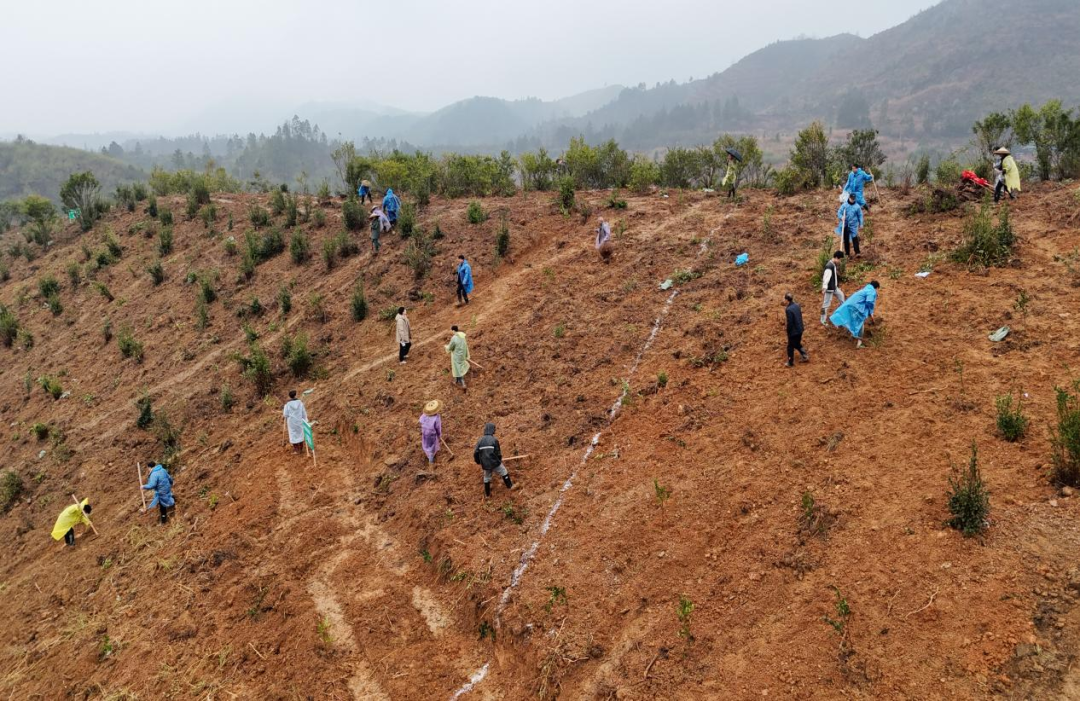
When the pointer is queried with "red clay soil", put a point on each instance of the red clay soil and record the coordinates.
(372, 576)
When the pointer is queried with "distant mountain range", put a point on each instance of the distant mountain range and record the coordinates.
(928, 78)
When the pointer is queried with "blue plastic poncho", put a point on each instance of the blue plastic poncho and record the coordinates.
(854, 311)
(464, 274)
(161, 482)
(855, 182)
(391, 204)
(852, 215)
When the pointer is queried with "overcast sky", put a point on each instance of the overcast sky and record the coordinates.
(146, 66)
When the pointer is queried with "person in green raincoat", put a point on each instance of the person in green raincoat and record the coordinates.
(458, 348)
(74, 515)
(1008, 180)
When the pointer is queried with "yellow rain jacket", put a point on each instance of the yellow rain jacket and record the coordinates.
(69, 518)
(1012, 173)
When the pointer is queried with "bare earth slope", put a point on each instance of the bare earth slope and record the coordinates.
(372, 576)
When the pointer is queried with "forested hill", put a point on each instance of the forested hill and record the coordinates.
(28, 168)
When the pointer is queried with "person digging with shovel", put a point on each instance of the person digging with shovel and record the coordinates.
(488, 455)
(74, 515)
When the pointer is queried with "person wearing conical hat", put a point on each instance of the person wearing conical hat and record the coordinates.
(1008, 175)
(431, 429)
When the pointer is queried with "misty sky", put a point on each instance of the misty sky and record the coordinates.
(216, 65)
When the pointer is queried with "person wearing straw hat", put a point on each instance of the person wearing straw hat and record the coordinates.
(72, 516)
(364, 191)
(379, 224)
(458, 348)
(1008, 175)
(488, 455)
(431, 429)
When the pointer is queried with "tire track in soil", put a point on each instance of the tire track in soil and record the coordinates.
(612, 413)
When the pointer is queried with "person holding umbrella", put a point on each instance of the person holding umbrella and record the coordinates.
(731, 178)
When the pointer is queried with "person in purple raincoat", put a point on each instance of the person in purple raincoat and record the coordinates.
(431, 429)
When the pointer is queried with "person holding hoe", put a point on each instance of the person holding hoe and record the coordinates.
(856, 180)
(431, 429)
(850, 216)
(160, 482)
(488, 455)
(458, 348)
(78, 514)
(295, 415)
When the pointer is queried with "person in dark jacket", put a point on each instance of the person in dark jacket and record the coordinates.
(794, 330)
(488, 455)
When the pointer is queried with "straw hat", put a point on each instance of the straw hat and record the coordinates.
(433, 407)
(1002, 152)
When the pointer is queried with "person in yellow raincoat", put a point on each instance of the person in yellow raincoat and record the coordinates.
(458, 348)
(74, 515)
(1008, 179)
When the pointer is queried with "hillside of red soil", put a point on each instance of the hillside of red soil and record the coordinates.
(373, 576)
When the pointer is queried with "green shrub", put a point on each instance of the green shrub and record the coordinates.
(317, 308)
(1065, 440)
(947, 173)
(922, 170)
(475, 213)
(200, 190)
(329, 252)
(969, 502)
(139, 191)
(11, 488)
(277, 202)
(256, 367)
(103, 290)
(191, 209)
(502, 239)
(419, 253)
(258, 216)
(320, 218)
(9, 326)
(616, 202)
(986, 245)
(129, 347)
(152, 207)
(74, 272)
(299, 247)
(208, 214)
(165, 217)
(227, 400)
(230, 246)
(202, 315)
(284, 300)
(272, 243)
(113, 246)
(788, 181)
(165, 241)
(566, 192)
(291, 212)
(53, 301)
(346, 245)
(352, 212)
(207, 294)
(299, 359)
(358, 304)
(407, 218)
(40, 431)
(26, 339)
(146, 412)
(1011, 422)
(644, 173)
(52, 386)
(48, 286)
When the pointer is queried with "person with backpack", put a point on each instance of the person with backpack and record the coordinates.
(488, 455)
(830, 286)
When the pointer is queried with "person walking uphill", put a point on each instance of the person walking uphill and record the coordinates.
(431, 429)
(364, 191)
(295, 415)
(458, 348)
(488, 455)
(850, 216)
(795, 328)
(391, 205)
(603, 240)
(464, 281)
(379, 225)
(856, 180)
(160, 482)
(853, 313)
(1008, 179)
(404, 334)
(74, 515)
(830, 286)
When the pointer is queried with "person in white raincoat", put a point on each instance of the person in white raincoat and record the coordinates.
(295, 415)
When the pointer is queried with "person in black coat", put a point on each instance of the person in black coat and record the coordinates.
(488, 455)
(794, 330)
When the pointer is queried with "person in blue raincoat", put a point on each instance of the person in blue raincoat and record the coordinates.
(160, 482)
(849, 219)
(391, 205)
(856, 310)
(464, 280)
(364, 191)
(856, 179)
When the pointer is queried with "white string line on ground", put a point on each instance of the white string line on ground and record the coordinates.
(526, 557)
